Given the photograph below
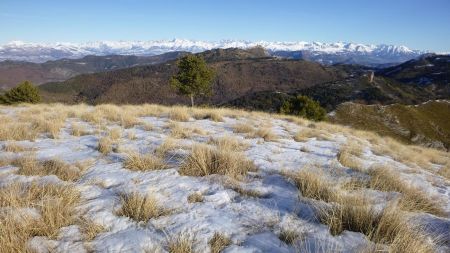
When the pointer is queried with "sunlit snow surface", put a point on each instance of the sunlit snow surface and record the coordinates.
(252, 223)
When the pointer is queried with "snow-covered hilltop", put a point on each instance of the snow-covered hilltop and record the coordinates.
(40, 52)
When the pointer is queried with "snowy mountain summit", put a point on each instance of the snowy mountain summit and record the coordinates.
(317, 51)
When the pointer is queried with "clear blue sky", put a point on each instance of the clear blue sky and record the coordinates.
(419, 24)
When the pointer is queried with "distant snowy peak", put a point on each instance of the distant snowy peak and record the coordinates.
(39, 52)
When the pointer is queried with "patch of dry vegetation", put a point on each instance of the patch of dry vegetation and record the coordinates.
(90, 229)
(243, 128)
(105, 145)
(182, 243)
(140, 208)
(218, 242)
(266, 133)
(288, 236)
(179, 131)
(15, 147)
(79, 130)
(30, 166)
(55, 203)
(205, 160)
(195, 197)
(169, 144)
(115, 133)
(348, 154)
(412, 199)
(228, 143)
(144, 162)
(179, 114)
(355, 212)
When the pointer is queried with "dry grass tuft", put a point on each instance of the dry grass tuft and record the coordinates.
(412, 199)
(314, 185)
(179, 131)
(56, 205)
(445, 171)
(205, 160)
(17, 131)
(179, 114)
(131, 135)
(79, 129)
(169, 144)
(138, 162)
(90, 229)
(243, 128)
(353, 213)
(266, 133)
(105, 145)
(30, 166)
(195, 197)
(347, 156)
(14, 147)
(140, 208)
(228, 143)
(183, 243)
(219, 242)
(115, 133)
(288, 236)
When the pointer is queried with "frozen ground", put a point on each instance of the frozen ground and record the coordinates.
(252, 222)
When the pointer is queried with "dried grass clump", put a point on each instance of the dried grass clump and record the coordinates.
(179, 114)
(266, 133)
(182, 243)
(131, 135)
(79, 129)
(314, 185)
(353, 213)
(288, 236)
(105, 145)
(412, 199)
(14, 147)
(195, 197)
(115, 133)
(445, 171)
(169, 144)
(140, 208)
(401, 233)
(218, 242)
(242, 128)
(30, 166)
(18, 131)
(90, 229)
(55, 203)
(306, 133)
(139, 162)
(205, 160)
(179, 131)
(228, 143)
(347, 156)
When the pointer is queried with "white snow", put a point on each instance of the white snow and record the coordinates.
(252, 223)
(40, 52)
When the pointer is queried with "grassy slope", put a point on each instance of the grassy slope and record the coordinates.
(422, 124)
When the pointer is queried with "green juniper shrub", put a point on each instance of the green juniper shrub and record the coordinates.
(23, 93)
(303, 106)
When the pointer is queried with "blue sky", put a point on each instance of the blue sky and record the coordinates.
(419, 24)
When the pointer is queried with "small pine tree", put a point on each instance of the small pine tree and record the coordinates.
(304, 106)
(23, 93)
(194, 77)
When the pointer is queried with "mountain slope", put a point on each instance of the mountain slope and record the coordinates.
(239, 72)
(425, 124)
(14, 72)
(327, 53)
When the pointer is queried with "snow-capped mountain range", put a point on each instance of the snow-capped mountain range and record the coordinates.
(317, 51)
